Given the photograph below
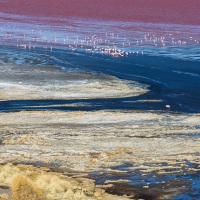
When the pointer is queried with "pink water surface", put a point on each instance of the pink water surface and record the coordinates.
(156, 11)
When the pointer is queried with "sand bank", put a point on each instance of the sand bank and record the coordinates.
(87, 141)
(26, 83)
(78, 143)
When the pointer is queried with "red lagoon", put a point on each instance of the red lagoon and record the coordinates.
(155, 11)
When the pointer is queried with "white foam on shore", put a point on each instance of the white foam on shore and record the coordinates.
(6, 84)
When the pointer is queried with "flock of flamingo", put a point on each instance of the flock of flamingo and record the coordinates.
(108, 43)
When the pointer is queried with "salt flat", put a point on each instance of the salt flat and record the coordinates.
(87, 141)
(26, 83)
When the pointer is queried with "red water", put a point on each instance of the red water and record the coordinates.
(156, 11)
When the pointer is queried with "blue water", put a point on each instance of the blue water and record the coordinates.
(164, 58)
(156, 182)
(170, 80)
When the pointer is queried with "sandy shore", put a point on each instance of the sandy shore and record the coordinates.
(87, 141)
(26, 83)
(78, 143)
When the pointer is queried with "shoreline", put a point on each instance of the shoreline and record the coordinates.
(99, 105)
(39, 83)
(135, 151)
(82, 144)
